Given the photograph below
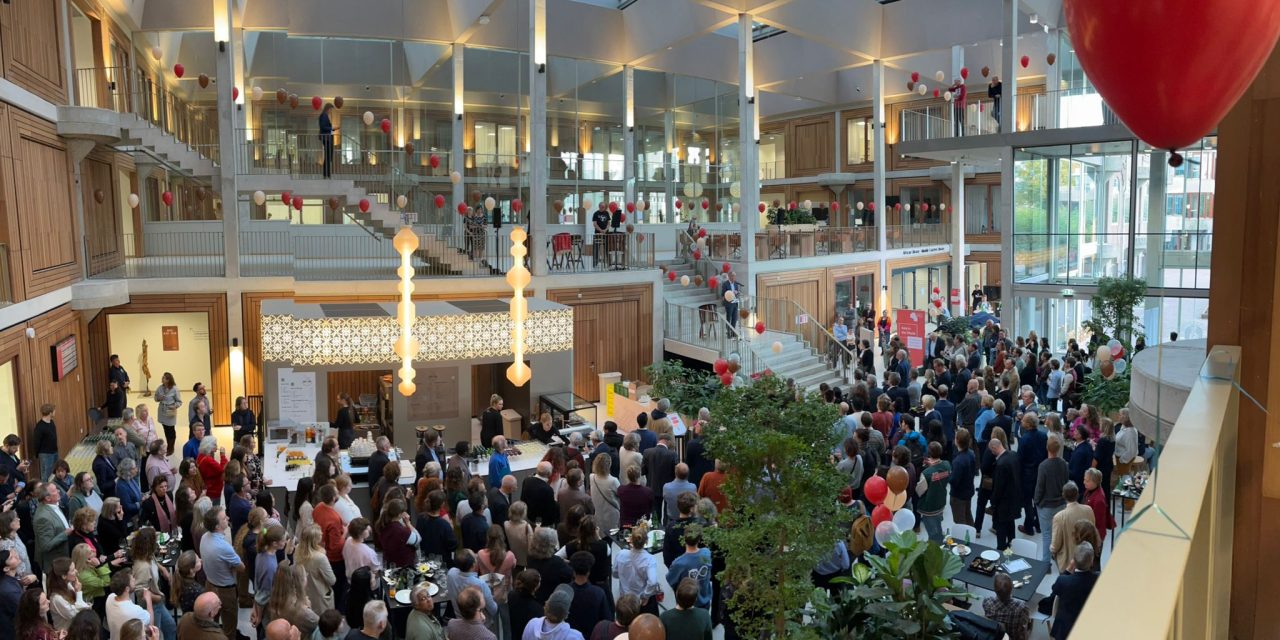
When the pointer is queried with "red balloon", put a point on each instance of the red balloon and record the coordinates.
(613, 207)
(439, 201)
(462, 208)
(936, 93)
(677, 205)
(924, 206)
(705, 204)
(622, 218)
(876, 489)
(897, 207)
(316, 102)
(631, 207)
(792, 205)
(179, 70)
(235, 93)
(880, 514)
(702, 233)
(1232, 39)
(726, 268)
(434, 161)
(671, 275)
(286, 197)
(871, 206)
(714, 282)
(915, 76)
(938, 303)
(964, 73)
(517, 205)
(720, 366)
(364, 205)
(386, 125)
(937, 290)
(297, 203)
(759, 327)
(761, 207)
(168, 198)
(1026, 60)
(726, 379)
(697, 255)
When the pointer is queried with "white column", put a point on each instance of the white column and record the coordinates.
(226, 184)
(629, 135)
(1053, 77)
(1006, 238)
(748, 139)
(669, 142)
(877, 110)
(957, 237)
(1009, 71)
(457, 152)
(538, 137)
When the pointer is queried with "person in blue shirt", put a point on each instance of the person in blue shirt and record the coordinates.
(695, 564)
(648, 439)
(840, 332)
(191, 450)
(499, 466)
(1033, 448)
(327, 131)
(833, 566)
(984, 416)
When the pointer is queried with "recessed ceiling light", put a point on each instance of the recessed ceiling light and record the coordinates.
(669, 48)
(1035, 17)
(485, 20)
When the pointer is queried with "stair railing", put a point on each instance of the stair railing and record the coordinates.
(787, 316)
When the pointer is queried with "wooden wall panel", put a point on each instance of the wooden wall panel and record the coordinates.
(103, 232)
(613, 331)
(31, 38)
(810, 145)
(42, 216)
(213, 304)
(33, 375)
(354, 383)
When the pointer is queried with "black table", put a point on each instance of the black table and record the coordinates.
(1030, 578)
(1125, 489)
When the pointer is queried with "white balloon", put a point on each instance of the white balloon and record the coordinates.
(807, 204)
(733, 357)
(642, 205)
(1120, 365)
(735, 190)
(401, 201)
(860, 205)
(906, 206)
(368, 117)
(156, 52)
(702, 243)
(904, 520)
(256, 92)
(940, 76)
(688, 189)
(697, 189)
(942, 206)
(884, 531)
(490, 203)
(776, 347)
(133, 201)
(586, 204)
(730, 296)
(684, 281)
(455, 177)
(921, 89)
(259, 198)
(947, 96)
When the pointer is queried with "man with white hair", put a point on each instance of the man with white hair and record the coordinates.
(375, 622)
(574, 450)
(499, 465)
(422, 623)
(202, 622)
(500, 499)
(1072, 590)
(380, 457)
(599, 446)
(536, 492)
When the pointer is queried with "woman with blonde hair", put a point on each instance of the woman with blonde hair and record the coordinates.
(94, 576)
(496, 559)
(637, 571)
(288, 600)
(144, 425)
(661, 426)
(604, 492)
(202, 506)
(519, 532)
(629, 455)
(310, 555)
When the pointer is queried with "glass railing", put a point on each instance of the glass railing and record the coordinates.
(682, 173)
(1059, 109)
(302, 155)
(492, 166)
(703, 326)
(578, 169)
(781, 245)
(775, 170)
(1063, 109)
(178, 254)
(114, 89)
(1174, 553)
(917, 235)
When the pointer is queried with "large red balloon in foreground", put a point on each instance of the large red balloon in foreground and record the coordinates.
(1136, 54)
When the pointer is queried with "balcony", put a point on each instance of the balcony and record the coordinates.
(778, 244)
(1061, 109)
(902, 236)
(159, 254)
(773, 170)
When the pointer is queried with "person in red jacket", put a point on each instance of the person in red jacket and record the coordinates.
(333, 534)
(211, 469)
(1097, 500)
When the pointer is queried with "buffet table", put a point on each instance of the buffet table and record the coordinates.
(285, 464)
(522, 464)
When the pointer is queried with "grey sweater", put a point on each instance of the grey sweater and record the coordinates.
(1050, 477)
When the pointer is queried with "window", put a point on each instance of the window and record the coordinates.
(495, 144)
(773, 156)
(861, 141)
(982, 208)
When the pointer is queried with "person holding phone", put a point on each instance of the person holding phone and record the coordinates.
(327, 131)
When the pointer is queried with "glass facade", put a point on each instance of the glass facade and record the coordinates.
(912, 286)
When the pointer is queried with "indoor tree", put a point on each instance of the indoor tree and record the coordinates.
(1113, 308)
(784, 516)
(688, 389)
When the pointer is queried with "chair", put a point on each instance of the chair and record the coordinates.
(959, 531)
(1025, 548)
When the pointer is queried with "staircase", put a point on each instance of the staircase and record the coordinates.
(796, 361)
(434, 252)
(690, 296)
(157, 141)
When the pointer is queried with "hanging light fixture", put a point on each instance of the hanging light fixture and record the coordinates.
(518, 278)
(406, 242)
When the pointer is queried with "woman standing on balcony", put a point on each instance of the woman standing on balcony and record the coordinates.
(327, 131)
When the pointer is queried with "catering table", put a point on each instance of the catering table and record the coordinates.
(275, 465)
(1025, 582)
(522, 465)
(401, 582)
(1128, 487)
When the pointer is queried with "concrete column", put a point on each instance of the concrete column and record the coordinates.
(669, 166)
(749, 148)
(1153, 244)
(226, 179)
(457, 153)
(1009, 69)
(957, 238)
(538, 142)
(1006, 238)
(629, 135)
(877, 109)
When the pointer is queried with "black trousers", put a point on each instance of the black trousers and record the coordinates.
(326, 141)
(170, 436)
(1004, 534)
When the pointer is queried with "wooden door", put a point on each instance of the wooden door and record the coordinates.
(103, 226)
(586, 351)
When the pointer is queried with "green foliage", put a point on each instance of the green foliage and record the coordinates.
(791, 216)
(900, 596)
(1113, 309)
(1109, 396)
(784, 516)
(688, 389)
(956, 326)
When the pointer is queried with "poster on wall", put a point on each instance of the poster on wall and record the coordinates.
(170, 335)
(911, 333)
(437, 397)
(297, 393)
(64, 357)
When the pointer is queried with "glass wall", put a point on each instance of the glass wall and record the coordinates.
(912, 286)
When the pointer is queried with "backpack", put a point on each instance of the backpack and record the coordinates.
(861, 534)
(913, 445)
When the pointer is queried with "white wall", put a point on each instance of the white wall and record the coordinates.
(189, 364)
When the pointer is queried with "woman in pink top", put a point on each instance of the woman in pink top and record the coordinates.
(356, 552)
(144, 424)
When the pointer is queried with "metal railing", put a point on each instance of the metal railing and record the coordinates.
(605, 252)
(787, 316)
(702, 326)
(773, 244)
(103, 88)
(1169, 575)
(1057, 109)
(176, 254)
(115, 89)
(917, 235)
(1063, 109)
(6, 286)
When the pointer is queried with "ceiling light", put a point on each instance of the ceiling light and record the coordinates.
(1035, 18)
(485, 20)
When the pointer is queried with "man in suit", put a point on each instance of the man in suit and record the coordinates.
(898, 393)
(947, 412)
(731, 308)
(536, 492)
(459, 460)
(974, 360)
(51, 525)
(430, 451)
(660, 468)
(378, 459)
(648, 439)
(500, 499)
(959, 380)
(1063, 541)
(1033, 448)
(599, 446)
(1072, 591)
(969, 408)
(904, 366)
(695, 453)
(1006, 493)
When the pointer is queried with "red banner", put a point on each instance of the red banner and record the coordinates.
(911, 334)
